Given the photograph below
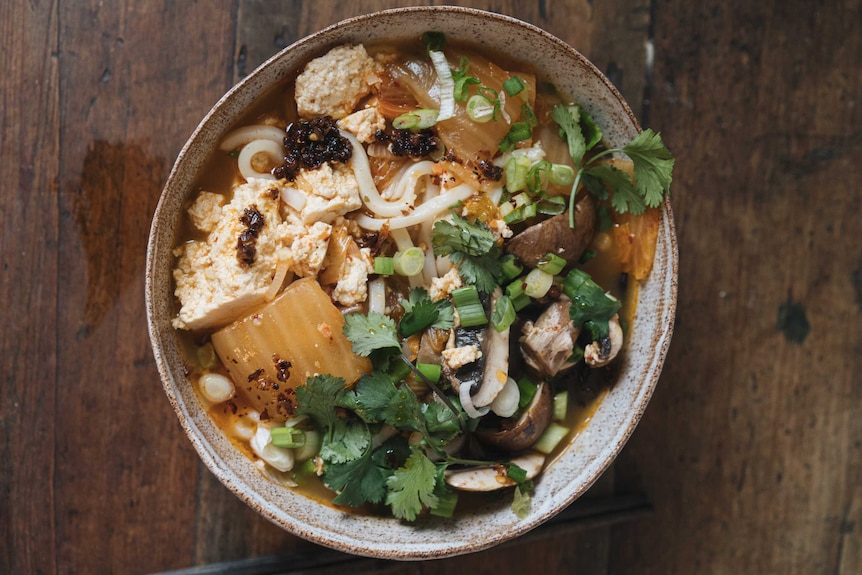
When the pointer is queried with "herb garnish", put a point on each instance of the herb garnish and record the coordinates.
(473, 248)
(653, 164)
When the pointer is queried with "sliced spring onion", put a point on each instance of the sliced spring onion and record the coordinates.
(215, 387)
(537, 176)
(516, 473)
(311, 447)
(384, 266)
(513, 86)
(551, 438)
(537, 283)
(288, 437)
(529, 115)
(551, 263)
(430, 370)
(469, 306)
(510, 266)
(528, 390)
(516, 288)
(398, 371)
(207, 357)
(445, 85)
(522, 200)
(505, 208)
(551, 206)
(518, 132)
(446, 503)
(561, 404)
(480, 109)
(516, 173)
(504, 314)
(562, 175)
(416, 119)
(409, 262)
(521, 301)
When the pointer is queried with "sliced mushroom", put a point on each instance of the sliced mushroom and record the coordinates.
(519, 434)
(548, 343)
(495, 348)
(494, 477)
(555, 236)
(600, 353)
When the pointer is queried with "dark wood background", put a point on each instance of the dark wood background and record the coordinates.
(751, 450)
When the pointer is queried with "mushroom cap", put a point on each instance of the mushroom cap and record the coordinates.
(555, 236)
(527, 429)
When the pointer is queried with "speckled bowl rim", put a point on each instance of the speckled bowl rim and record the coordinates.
(583, 462)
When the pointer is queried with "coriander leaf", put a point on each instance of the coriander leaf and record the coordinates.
(393, 453)
(412, 486)
(625, 197)
(345, 440)
(653, 165)
(441, 424)
(589, 301)
(473, 248)
(404, 410)
(373, 393)
(319, 397)
(371, 332)
(570, 130)
(420, 312)
(592, 132)
(358, 481)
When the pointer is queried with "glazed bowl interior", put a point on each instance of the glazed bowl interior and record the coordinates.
(593, 450)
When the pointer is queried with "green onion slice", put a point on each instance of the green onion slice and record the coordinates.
(289, 437)
(537, 283)
(480, 109)
(416, 119)
(431, 371)
(504, 314)
(384, 266)
(510, 266)
(551, 263)
(470, 311)
(409, 262)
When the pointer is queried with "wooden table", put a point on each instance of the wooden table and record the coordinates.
(751, 450)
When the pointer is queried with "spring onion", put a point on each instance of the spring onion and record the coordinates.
(470, 310)
(409, 262)
(537, 176)
(416, 119)
(516, 173)
(445, 85)
(516, 288)
(562, 175)
(511, 267)
(504, 314)
(289, 437)
(398, 371)
(516, 473)
(551, 206)
(551, 438)
(520, 301)
(313, 440)
(480, 109)
(518, 132)
(537, 283)
(384, 266)
(528, 390)
(513, 86)
(551, 263)
(561, 404)
(431, 371)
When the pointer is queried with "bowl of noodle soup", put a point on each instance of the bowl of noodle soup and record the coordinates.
(214, 153)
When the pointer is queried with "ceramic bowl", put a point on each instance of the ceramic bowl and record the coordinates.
(591, 453)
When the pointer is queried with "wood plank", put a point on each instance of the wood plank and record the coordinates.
(29, 130)
(750, 448)
(135, 79)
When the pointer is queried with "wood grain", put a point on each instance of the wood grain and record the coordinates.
(751, 446)
(751, 450)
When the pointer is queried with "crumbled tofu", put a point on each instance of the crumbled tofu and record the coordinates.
(212, 285)
(500, 229)
(442, 287)
(333, 84)
(330, 192)
(309, 248)
(352, 286)
(205, 212)
(457, 357)
(364, 124)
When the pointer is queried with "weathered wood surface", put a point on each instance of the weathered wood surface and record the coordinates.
(751, 450)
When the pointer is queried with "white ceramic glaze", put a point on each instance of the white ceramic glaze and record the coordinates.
(593, 450)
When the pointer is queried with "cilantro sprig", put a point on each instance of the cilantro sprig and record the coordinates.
(473, 248)
(653, 164)
(420, 313)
